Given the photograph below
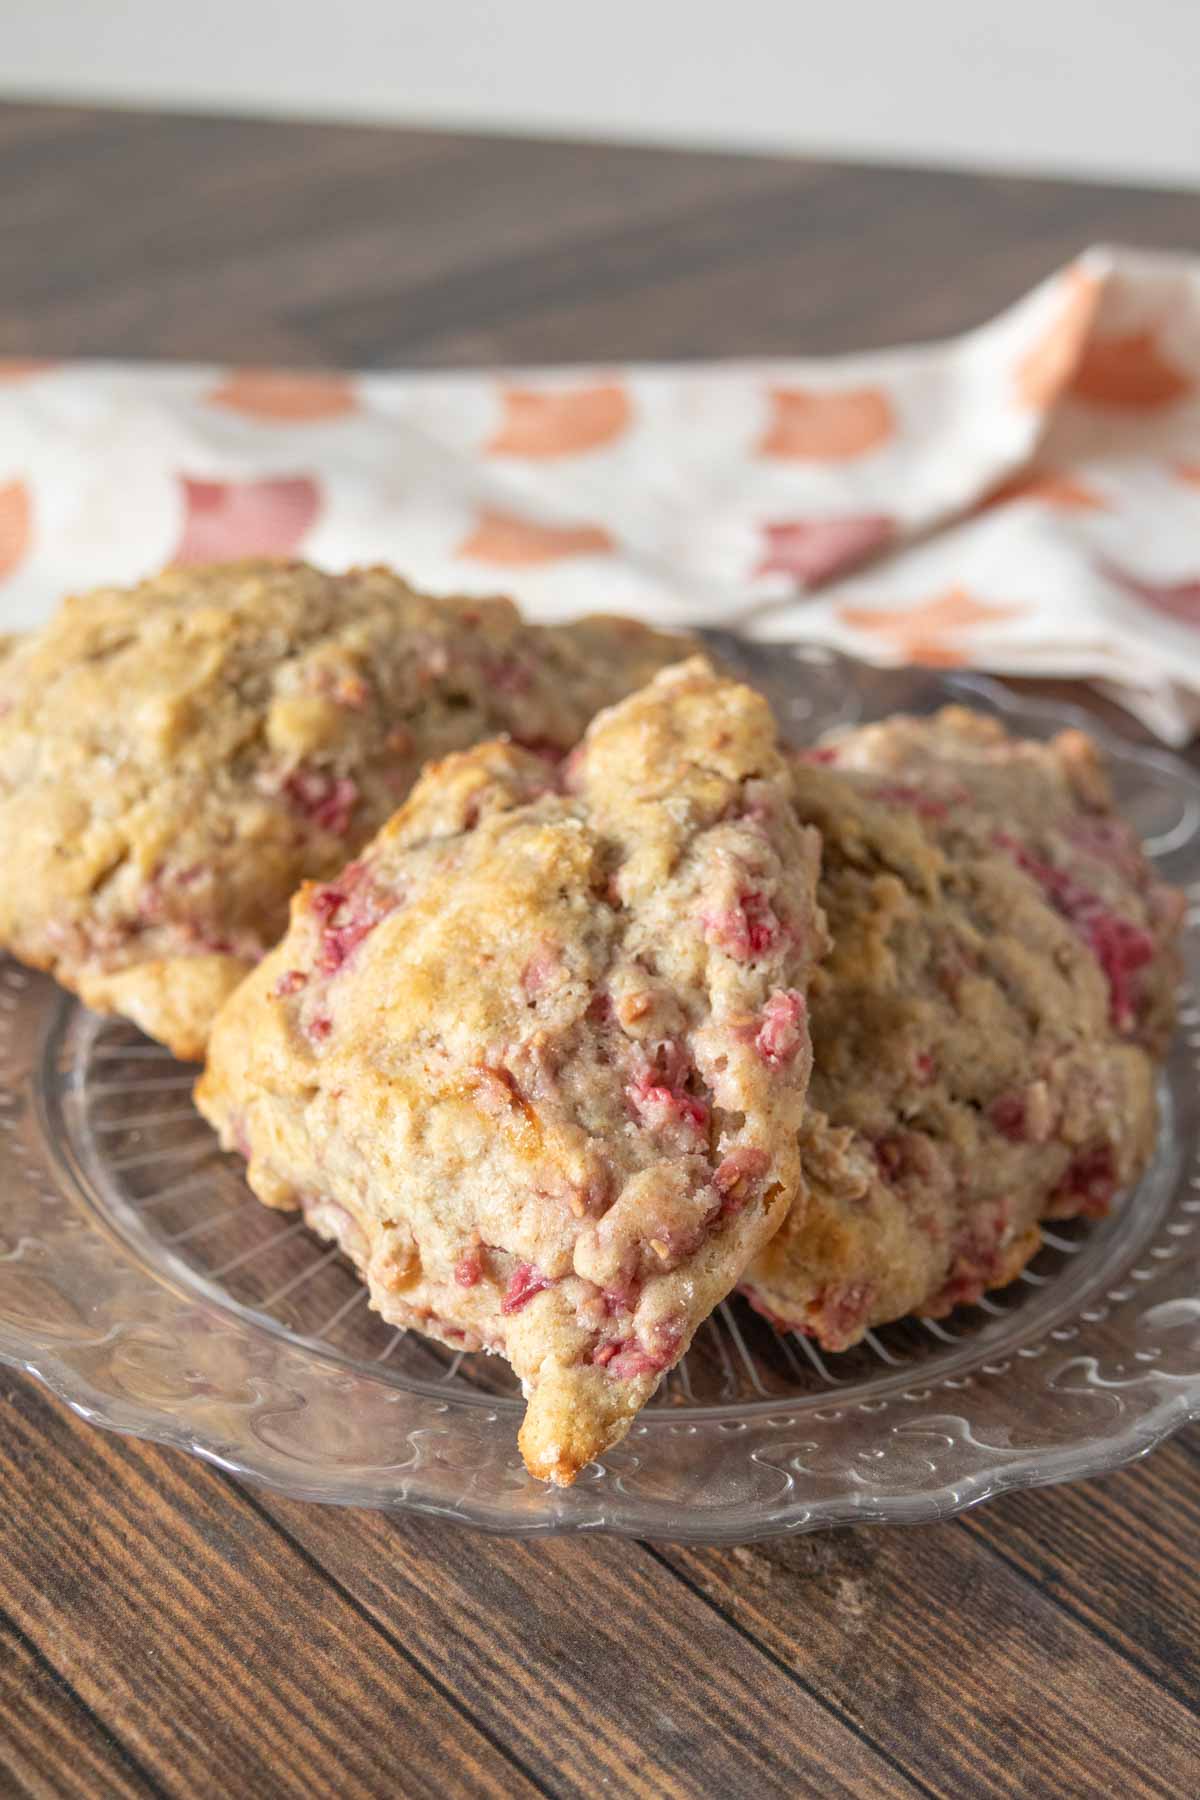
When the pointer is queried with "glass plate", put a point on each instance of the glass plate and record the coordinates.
(141, 1281)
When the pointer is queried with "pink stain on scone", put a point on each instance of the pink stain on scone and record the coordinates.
(509, 674)
(1024, 1115)
(748, 928)
(657, 1093)
(1089, 1186)
(978, 1258)
(1121, 947)
(542, 970)
(840, 1314)
(775, 1320)
(1108, 840)
(783, 1031)
(328, 800)
(523, 1284)
(348, 911)
(925, 805)
(1007, 1114)
(626, 1358)
(743, 1165)
(468, 1270)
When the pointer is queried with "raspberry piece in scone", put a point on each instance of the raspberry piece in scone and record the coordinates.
(987, 1029)
(555, 1111)
(176, 758)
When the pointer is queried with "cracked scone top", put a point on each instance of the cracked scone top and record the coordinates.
(987, 1026)
(175, 758)
(538, 1059)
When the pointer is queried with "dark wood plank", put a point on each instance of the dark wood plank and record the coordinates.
(594, 1663)
(50, 1742)
(131, 234)
(1118, 1555)
(247, 226)
(967, 1673)
(206, 1643)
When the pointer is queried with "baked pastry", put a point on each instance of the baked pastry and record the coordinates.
(175, 758)
(537, 1060)
(986, 1029)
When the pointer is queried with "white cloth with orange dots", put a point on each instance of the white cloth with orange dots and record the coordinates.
(1023, 499)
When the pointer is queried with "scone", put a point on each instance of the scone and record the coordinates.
(987, 1027)
(537, 1060)
(175, 758)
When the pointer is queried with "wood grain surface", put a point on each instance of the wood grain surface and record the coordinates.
(167, 1631)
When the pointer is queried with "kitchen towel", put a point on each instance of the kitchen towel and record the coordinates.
(1023, 499)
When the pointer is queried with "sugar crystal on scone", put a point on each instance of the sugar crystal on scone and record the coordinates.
(537, 1059)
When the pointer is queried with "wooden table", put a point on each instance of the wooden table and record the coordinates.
(166, 1630)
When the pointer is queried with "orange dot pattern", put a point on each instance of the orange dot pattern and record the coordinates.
(541, 424)
(932, 631)
(16, 526)
(510, 542)
(285, 396)
(810, 425)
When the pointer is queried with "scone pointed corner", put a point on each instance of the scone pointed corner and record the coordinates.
(573, 1416)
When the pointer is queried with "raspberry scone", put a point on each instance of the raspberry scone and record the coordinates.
(987, 1027)
(537, 1060)
(177, 757)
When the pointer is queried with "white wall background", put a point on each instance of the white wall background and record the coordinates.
(1101, 87)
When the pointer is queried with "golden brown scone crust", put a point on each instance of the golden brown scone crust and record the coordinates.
(987, 1028)
(537, 1060)
(175, 758)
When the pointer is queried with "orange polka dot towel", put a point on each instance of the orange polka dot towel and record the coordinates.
(1025, 498)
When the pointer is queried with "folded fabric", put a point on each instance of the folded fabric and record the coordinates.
(1024, 498)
